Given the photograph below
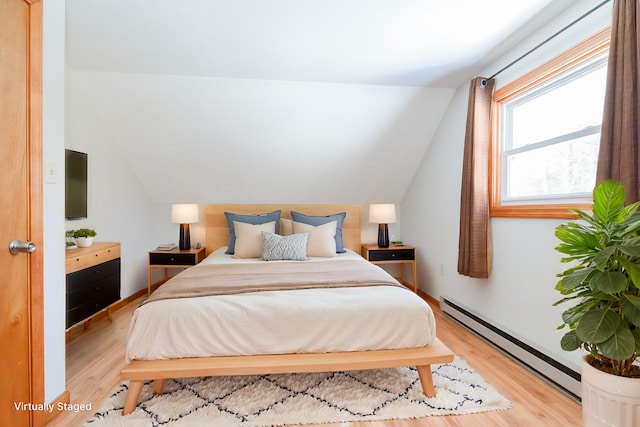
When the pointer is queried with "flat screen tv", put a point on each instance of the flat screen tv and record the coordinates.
(75, 184)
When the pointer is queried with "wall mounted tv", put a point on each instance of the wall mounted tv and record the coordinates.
(75, 184)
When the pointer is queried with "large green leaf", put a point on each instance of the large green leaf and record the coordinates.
(597, 326)
(631, 250)
(602, 257)
(573, 314)
(575, 278)
(636, 336)
(602, 297)
(570, 341)
(632, 270)
(575, 241)
(631, 306)
(631, 218)
(586, 217)
(609, 282)
(632, 225)
(621, 345)
(633, 239)
(608, 200)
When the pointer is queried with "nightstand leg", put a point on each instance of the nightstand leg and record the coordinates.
(149, 282)
(415, 279)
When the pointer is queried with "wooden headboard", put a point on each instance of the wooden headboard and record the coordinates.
(217, 232)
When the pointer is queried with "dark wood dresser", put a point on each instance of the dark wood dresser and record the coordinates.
(93, 280)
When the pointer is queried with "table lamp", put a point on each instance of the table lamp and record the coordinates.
(382, 215)
(184, 214)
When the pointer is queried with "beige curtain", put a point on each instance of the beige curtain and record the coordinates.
(619, 156)
(474, 244)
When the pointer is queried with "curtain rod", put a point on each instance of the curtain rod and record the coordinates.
(483, 83)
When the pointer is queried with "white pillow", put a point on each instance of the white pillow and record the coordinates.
(321, 241)
(249, 238)
(286, 227)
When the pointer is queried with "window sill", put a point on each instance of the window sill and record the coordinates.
(538, 211)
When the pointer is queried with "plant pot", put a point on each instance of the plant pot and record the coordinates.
(84, 242)
(609, 400)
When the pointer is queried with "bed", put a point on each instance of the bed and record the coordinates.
(323, 313)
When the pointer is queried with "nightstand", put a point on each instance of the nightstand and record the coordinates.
(174, 258)
(394, 254)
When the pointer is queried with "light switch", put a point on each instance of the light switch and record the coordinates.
(50, 172)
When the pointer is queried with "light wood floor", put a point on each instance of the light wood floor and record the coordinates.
(95, 358)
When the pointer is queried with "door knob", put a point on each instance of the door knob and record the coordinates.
(17, 247)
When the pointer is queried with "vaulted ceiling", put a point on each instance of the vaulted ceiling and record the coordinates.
(278, 100)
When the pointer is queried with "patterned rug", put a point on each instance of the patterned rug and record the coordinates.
(294, 399)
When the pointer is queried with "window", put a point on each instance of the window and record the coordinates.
(547, 134)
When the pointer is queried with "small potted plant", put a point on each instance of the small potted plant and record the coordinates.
(604, 285)
(84, 237)
(69, 242)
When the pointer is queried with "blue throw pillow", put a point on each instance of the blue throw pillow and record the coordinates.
(319, 220)
(249, 219)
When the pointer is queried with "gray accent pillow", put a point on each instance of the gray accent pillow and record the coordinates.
(276, 247)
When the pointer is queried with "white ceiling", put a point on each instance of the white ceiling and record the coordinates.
(258, 101)
(386, 42)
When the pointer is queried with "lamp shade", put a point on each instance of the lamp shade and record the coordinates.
(184, 214)
(382, 214)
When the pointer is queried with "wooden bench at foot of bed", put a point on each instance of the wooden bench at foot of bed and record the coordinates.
(139, 371)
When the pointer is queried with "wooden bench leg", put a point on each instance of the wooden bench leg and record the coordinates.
(426, 379)
(130, 402)
(158, 386)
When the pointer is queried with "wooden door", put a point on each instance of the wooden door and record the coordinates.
(21, 314)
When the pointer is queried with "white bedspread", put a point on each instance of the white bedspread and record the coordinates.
(277, 322)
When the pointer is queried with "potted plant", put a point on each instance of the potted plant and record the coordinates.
(603, 284)
(84, 237)
(69, 242)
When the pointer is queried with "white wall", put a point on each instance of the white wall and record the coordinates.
(53, 198)
(154, 140)
(518, 295)
(118, 207)
(203, 139)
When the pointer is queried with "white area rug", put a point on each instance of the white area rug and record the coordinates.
(290, 399)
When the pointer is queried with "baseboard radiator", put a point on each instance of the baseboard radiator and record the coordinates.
(563, 377)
